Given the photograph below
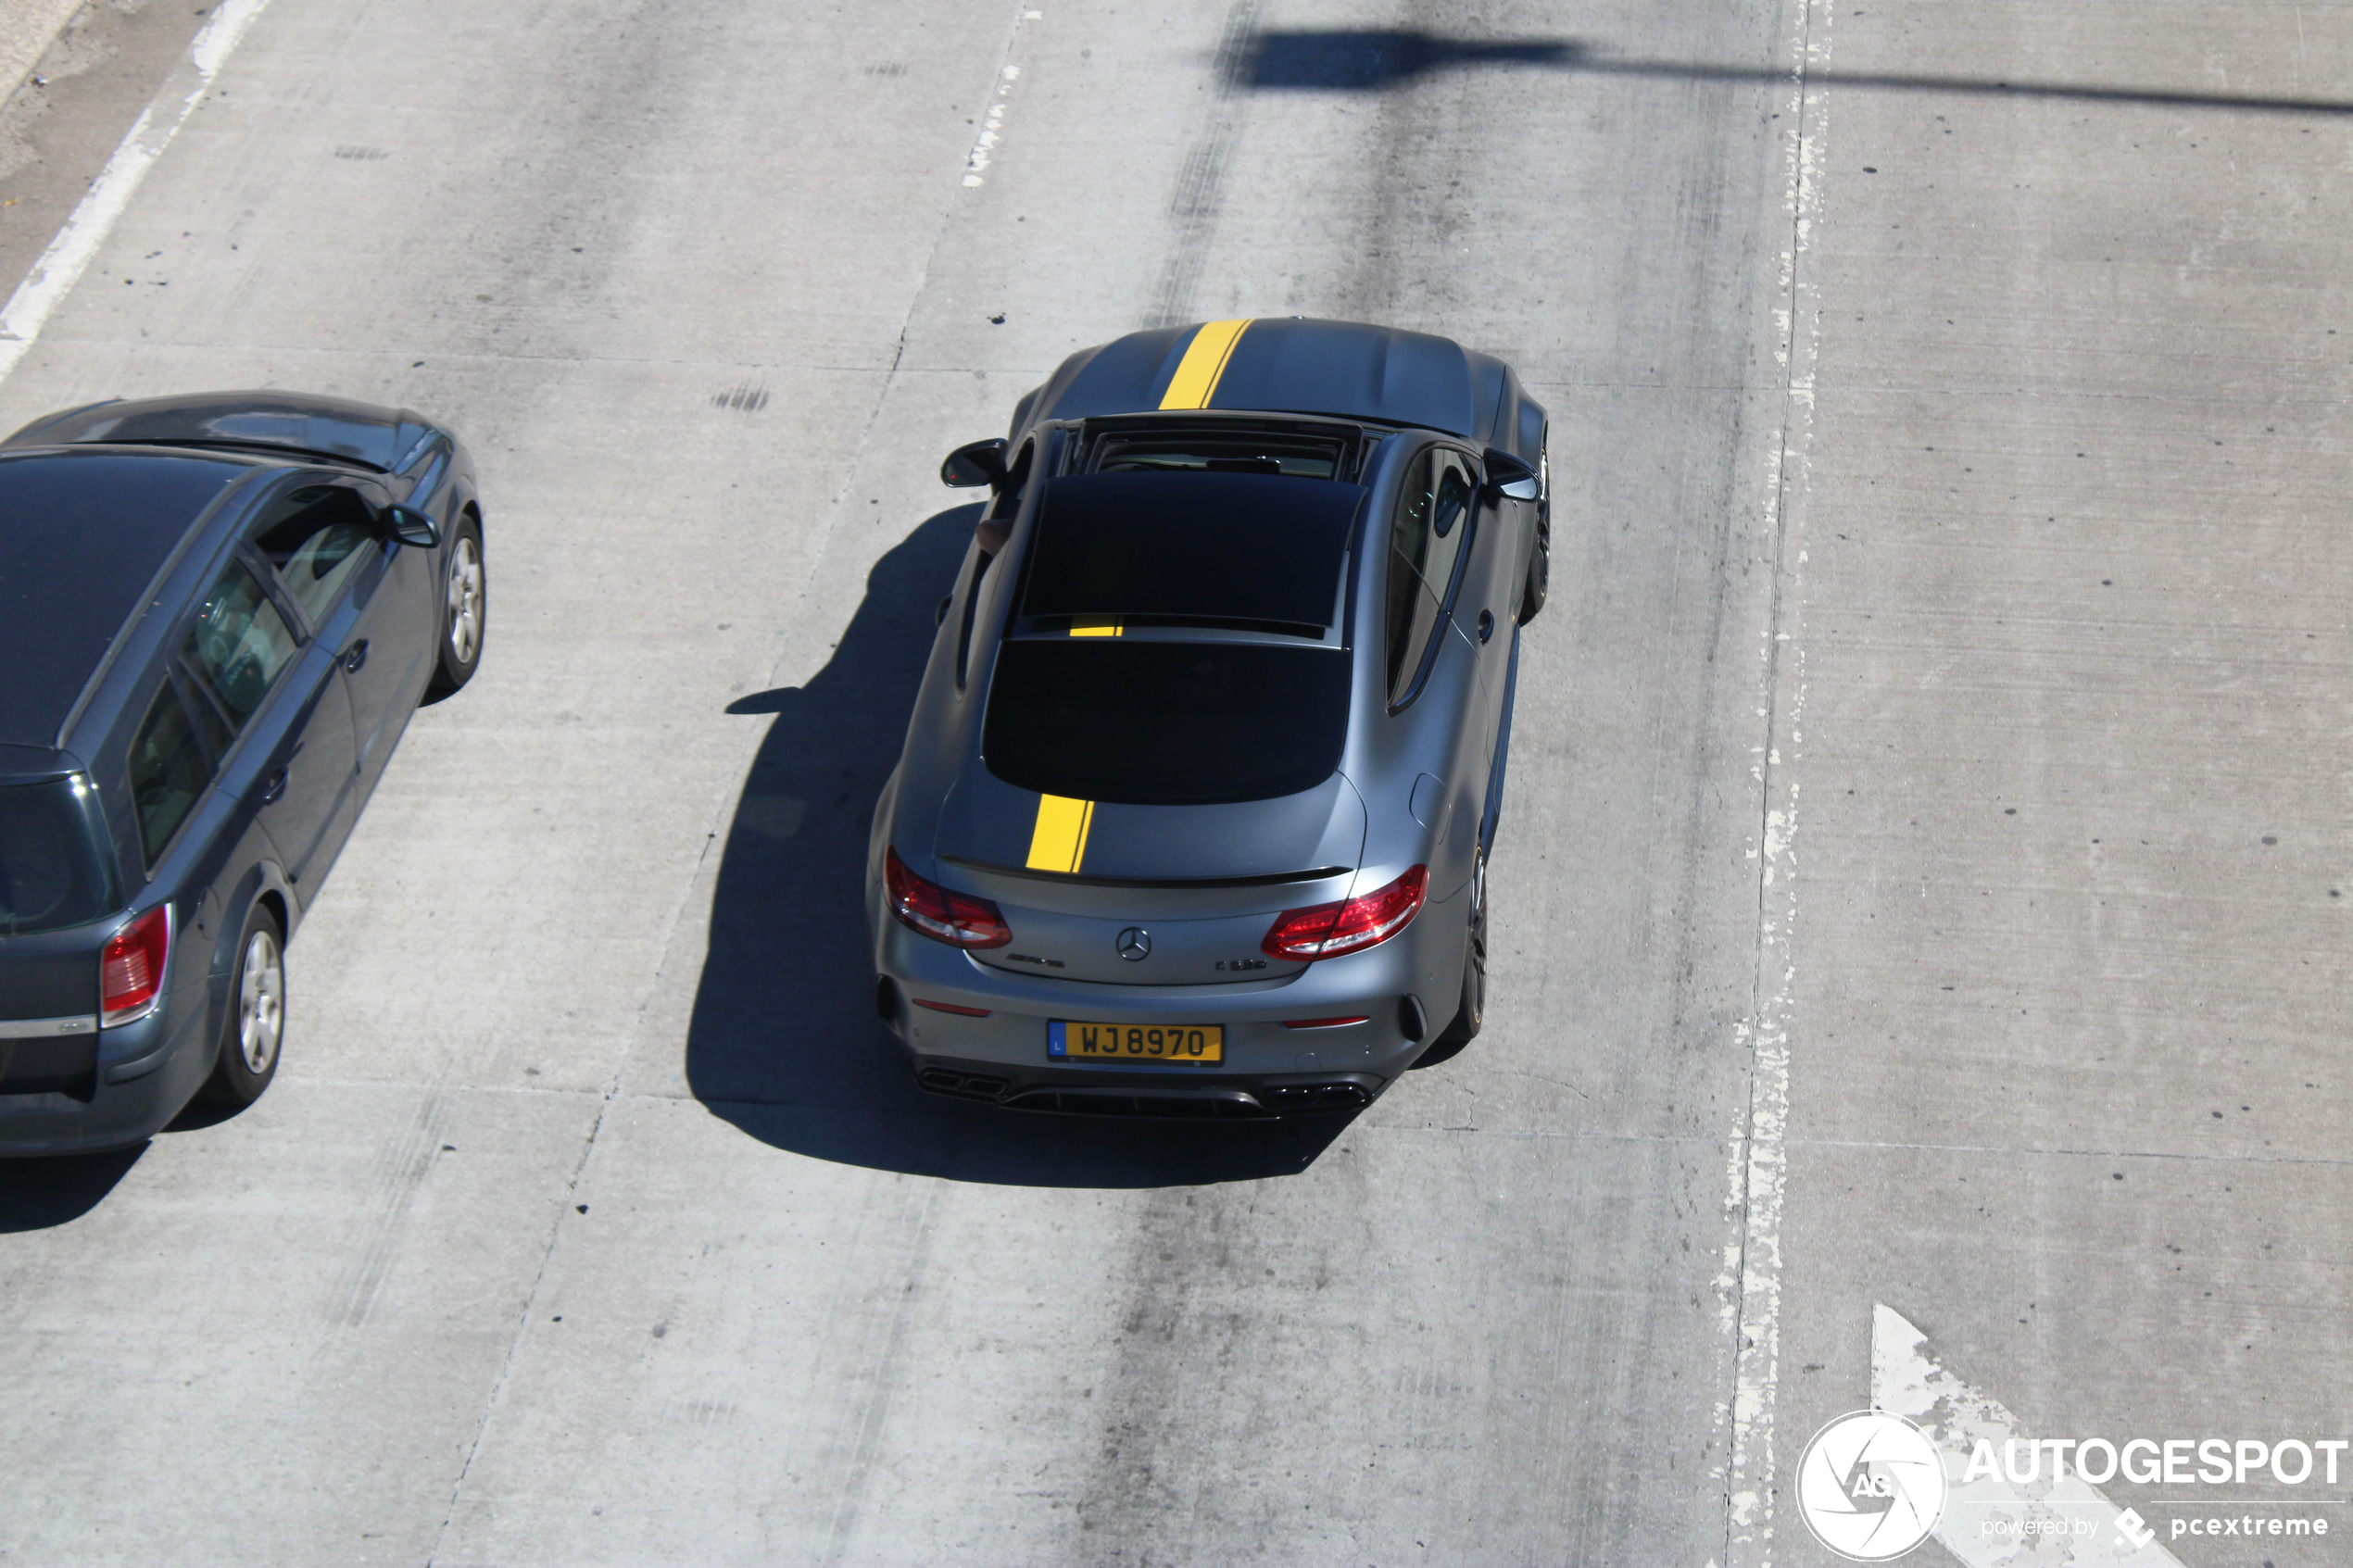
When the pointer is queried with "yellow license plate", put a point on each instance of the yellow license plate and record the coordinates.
(1194, 1045)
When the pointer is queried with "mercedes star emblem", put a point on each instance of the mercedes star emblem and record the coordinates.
(1135, 943)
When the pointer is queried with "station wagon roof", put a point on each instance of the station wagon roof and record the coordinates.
(83, 534)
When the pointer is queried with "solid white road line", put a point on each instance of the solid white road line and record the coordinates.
(1988, 1522)
(60, 267)
(1750, 1287)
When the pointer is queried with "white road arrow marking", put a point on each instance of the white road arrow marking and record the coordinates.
(1995, 1522)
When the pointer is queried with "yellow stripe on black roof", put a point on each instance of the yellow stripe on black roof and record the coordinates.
(1196, 379)
(1059, 841)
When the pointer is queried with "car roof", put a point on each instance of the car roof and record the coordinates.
(1282, 365)
(82, 536)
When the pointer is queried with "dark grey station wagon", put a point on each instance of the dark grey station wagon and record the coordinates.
(216, 614)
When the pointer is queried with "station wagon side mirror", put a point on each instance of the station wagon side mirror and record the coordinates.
(1511, 479)
(413, 527)
(982, 462)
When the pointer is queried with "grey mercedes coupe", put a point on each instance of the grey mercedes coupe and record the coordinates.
(1196, 797)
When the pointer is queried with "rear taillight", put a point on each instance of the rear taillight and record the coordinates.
(957, 919)
(1328, 930)
(131, 969)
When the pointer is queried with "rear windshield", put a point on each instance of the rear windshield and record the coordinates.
(51, 874)
(1165, 723)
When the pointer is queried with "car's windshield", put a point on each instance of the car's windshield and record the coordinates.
(52, 874)
(1165, 723)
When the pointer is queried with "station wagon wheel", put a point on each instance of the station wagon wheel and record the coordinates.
(253, 1027)
(465, 602)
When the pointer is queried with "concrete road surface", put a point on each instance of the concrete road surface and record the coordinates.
(1922, 881)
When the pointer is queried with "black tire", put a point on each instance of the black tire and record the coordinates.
(1540, 560)
(465, 610)
(1472, 1013)
(1540, 576)
(253, 1026)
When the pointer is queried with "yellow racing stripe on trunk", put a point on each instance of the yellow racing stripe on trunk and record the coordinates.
(1059, 841)
(1094, 628)
(1196, 379)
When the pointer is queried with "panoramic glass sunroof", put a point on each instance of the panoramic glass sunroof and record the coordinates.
(1197, 548)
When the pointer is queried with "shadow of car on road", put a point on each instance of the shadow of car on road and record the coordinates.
(784, 1042)
(40, 1193)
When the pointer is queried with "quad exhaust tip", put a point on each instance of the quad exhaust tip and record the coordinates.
(963, 1085)
(1315, 1096)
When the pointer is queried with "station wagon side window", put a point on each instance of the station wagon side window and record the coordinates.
(320, 538)
(169, 766)
(1425, 544)
(240, 644)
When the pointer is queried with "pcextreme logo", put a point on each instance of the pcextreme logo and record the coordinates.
(1870, 1486)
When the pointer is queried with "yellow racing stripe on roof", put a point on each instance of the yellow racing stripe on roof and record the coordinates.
(1097, 627)
(1196, 379)
(1059, 841)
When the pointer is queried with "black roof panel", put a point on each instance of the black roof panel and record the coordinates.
(81, 535)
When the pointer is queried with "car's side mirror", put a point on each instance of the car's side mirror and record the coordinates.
(413, 527)
(983, 462)
(1511, 479)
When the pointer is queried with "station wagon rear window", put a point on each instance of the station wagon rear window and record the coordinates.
(52, 874)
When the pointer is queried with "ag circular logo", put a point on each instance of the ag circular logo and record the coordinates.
(1135, 943)
(1870, 1486)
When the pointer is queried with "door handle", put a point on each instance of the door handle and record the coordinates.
(273, 786)
(1486, 625)
(356, 657)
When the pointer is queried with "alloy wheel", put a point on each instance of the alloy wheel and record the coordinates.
(465, 599)
(262, 1003)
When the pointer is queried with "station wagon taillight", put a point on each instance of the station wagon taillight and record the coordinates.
(131, 967)
(1326, 931)
(957, 919)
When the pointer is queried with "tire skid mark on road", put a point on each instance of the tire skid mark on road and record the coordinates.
(400, 1170)
(881, 1317)
(1201, 179)
(1757, 1172)
(1207, 1308)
